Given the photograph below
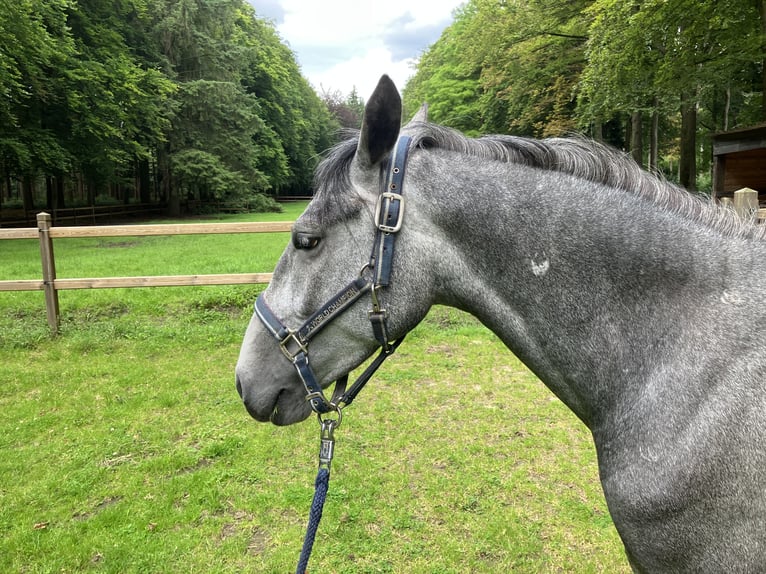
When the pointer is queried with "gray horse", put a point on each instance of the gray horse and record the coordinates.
(642, 307)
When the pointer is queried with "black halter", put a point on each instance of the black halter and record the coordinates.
(389, 212)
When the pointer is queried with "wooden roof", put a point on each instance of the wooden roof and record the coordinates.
(738, 140)
(739, 160)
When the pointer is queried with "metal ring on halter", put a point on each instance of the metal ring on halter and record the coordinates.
(336, 410)
(367, 267)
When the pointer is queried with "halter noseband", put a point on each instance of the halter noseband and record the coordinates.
(389, 213)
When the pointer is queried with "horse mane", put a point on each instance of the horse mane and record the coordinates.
(576, 156)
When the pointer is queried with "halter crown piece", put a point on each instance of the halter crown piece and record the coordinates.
(389, 213)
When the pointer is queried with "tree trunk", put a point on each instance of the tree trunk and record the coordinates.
(598, 131)
(654, 141)
(687, 169)
(90, 189)
(49, 198)
(637, 137)
(144, 182)
(762, 11)
(168, 190)
(27, 193)
(9, 187)
(60, 203)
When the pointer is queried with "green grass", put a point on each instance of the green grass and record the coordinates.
(125, 447)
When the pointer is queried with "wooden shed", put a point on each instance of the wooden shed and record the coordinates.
(739, 160)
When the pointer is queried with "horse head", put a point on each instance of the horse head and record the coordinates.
(332, 242)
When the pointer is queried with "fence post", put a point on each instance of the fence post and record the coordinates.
(49, 271)
(746, 203)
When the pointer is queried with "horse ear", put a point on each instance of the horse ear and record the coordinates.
(421, 116)
(381, 123)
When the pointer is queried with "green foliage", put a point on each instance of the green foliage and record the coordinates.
(642, 55)
(447, 78)
(546, 68)
(301, 123)
(217, 127)
(97, 93)
(504, 67)
(197, 170)
(33, 44)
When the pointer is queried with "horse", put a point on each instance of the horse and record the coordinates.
(640, 305)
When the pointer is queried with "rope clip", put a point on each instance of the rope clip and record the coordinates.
(327, 440)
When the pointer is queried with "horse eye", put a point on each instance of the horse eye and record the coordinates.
(305, 241)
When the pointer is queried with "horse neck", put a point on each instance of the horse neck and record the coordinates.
(590, 287)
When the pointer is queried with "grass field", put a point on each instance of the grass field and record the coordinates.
(125, 447)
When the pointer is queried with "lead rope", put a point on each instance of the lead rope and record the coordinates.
(388, 221)
(321, 485)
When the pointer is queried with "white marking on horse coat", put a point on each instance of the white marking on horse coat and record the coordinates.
(540, 269)
(732, 298)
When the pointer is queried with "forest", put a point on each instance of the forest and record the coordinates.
(151, 101)
(174, 101)
(653, 77)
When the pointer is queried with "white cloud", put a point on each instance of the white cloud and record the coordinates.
(342, 44)
(361, 71)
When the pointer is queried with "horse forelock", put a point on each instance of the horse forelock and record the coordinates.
(334, 195)
(577, 156)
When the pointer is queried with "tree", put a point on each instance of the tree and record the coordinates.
(348, 110)
(289, 105)
(504, 66)
(653, 56)
(152, 99)
(612, 68)
(448, 79)
(34, 44)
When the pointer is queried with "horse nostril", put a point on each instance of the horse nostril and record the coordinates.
(239, 386)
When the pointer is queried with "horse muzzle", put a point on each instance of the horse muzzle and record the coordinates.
(279, 406)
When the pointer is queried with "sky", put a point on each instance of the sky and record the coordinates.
(345, 44)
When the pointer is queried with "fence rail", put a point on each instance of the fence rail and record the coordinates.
(45, 232)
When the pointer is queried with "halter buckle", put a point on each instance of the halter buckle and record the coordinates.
(298, 346)
(383, 210)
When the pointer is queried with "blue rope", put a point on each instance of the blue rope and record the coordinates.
(321, 485)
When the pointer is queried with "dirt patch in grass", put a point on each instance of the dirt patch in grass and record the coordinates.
(116, 244)
(259, 538)
(105, 503)
(201, 463)
(259, 541)
(86, 315)
(116, 460)
(443, 349)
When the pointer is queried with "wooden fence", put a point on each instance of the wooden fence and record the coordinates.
(46, 233)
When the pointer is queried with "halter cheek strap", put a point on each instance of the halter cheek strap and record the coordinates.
(389, 213)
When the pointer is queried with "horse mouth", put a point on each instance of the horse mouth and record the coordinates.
(276, 417)
(284, 408)
(287, 410)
